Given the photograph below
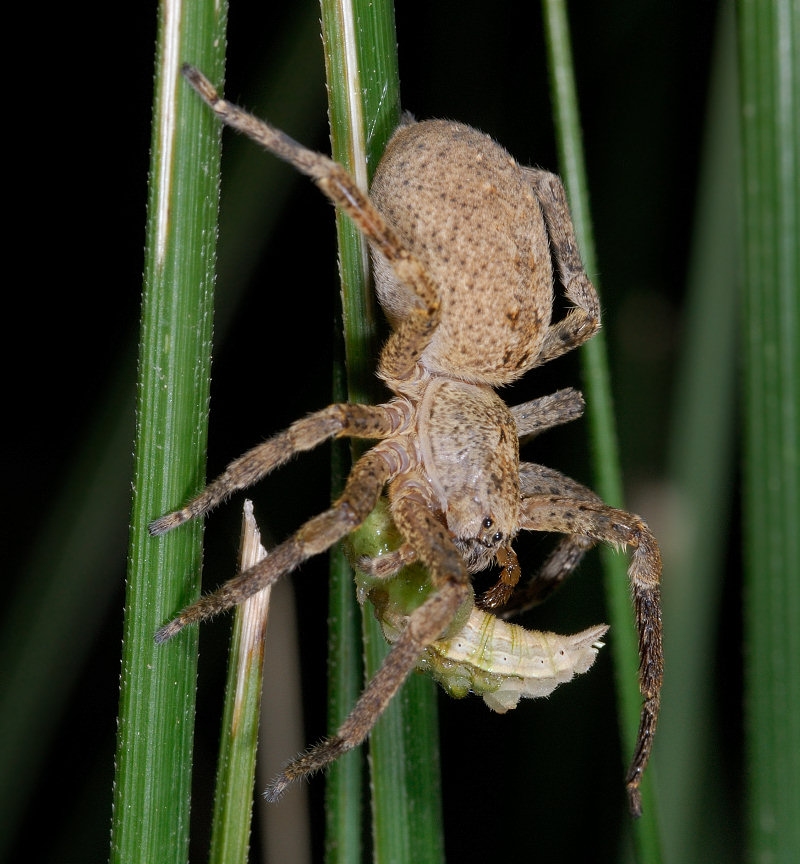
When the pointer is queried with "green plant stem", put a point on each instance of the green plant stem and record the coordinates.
(769, 34)
(361, 64)
(154, 748)
(600, 411)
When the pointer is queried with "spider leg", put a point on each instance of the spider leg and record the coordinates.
(567, 514)
(582, 322)
(405, 345)
(364, 485)
(565, 558)
(388, 565)
(338, 420)
(547, 411)
(425, 532)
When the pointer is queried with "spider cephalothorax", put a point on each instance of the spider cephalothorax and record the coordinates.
(462, 239)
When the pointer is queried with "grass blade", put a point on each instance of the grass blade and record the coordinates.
(361, 63)
(155, 731)
(769, 34)
(599, 407)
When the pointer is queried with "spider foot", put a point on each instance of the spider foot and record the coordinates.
(165, 633)
(389, 564)
(309, 763)
(276, 789)
(168, 522)
(634, 797)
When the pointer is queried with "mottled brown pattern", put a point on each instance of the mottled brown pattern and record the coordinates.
(475, 224)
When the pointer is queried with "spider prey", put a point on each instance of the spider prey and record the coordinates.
(461, 239)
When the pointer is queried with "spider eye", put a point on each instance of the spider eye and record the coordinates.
(498, 537)
(487, 522)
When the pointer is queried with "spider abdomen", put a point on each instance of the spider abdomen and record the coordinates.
(466, 209)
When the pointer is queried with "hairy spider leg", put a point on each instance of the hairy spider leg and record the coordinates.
(539, 415)
(335, 421)
(405, 345)
(415, 520)
(582, 322)
(565, 558)
(362, 490)
(567, 514)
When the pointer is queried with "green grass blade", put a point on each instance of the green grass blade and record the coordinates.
(599, 408)
(344, 811)
(361, 63)
(769, 34)
(404, 768)
(154, 745)
(363, 87)
(344, 785)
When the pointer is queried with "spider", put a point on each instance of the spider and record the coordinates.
(461, 238)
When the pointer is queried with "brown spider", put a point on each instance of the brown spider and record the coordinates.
(461, 239)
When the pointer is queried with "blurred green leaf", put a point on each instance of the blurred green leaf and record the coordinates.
(769, 56)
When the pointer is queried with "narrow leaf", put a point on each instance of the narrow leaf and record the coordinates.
(156, 715)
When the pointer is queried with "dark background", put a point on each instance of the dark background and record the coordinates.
(642, 72)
